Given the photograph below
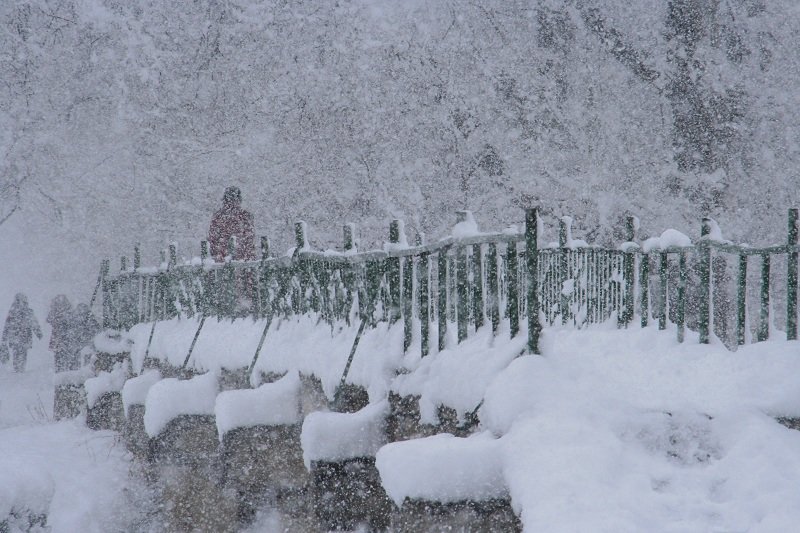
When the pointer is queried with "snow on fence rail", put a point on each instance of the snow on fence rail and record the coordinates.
(467, 280)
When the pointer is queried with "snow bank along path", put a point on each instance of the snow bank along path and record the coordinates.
(609, 430)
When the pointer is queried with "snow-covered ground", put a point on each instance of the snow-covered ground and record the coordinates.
(78, 477)
(610, 431)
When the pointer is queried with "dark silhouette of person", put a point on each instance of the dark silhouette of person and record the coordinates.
(21, 325)
(232, 221)
(84, 328)
(60, 318)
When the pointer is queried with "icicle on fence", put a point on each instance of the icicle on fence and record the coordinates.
(460, 284)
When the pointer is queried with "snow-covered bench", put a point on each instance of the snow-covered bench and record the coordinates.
(339, 451)
(442, 482)
(134, 394)
(103, 399)
(259, 431)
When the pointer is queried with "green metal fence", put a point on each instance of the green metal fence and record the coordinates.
(457, 285)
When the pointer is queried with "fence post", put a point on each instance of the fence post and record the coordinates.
(662, 271)
(627, 272)
(348, 272)
(442, 287)
(170, 310)
(299, 303)
(644, 288)
(262, 285)
(763, 327)
(105, 266)
(462, 284)
(424, 306)
(141, 292)
(741, 291)
(681, 311)
(492, 297)
(791, 279)
(532, 263)
(513, 287)
(704, 266)
(408, 300)
(393, 272)
(230, 279)
(477, 285)
(562, 268)
(206, 281)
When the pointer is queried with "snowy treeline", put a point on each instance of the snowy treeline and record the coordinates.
(124, 120)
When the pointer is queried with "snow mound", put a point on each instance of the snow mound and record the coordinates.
(111, 342)
(331, 437)
(105, 382)
(29, 490)
(671, 437)
(134, 392)
(443, 468)
(459, 375)
(466, 228)
(671, 238)
(73, 377)
(171, 397)
(271, 404)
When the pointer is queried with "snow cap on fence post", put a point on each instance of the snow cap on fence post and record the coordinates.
(465, 226)
(532, 263)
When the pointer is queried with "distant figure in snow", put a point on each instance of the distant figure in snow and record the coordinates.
(232, 221)
(19, 330)
(60, 318)
(84, 327)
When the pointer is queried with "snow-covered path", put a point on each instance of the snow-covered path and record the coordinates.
(78, 477)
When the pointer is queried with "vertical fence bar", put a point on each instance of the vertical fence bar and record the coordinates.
(741, 291)
(393, 274)
(791, 279)
(763, 326)
(492, 296)
(662, 291)
(423, 275)
(451, 288)
(408, 299)
(644, 288)
(681, 311)
(264, 280)
(462, 288)
(532, 263)
(512, 287)
(563, 267)
(704, 265)
(442, 288)
(105, 266)
(627, 272)
(477, 286)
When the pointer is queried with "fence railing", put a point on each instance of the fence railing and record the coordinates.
(470, 281)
